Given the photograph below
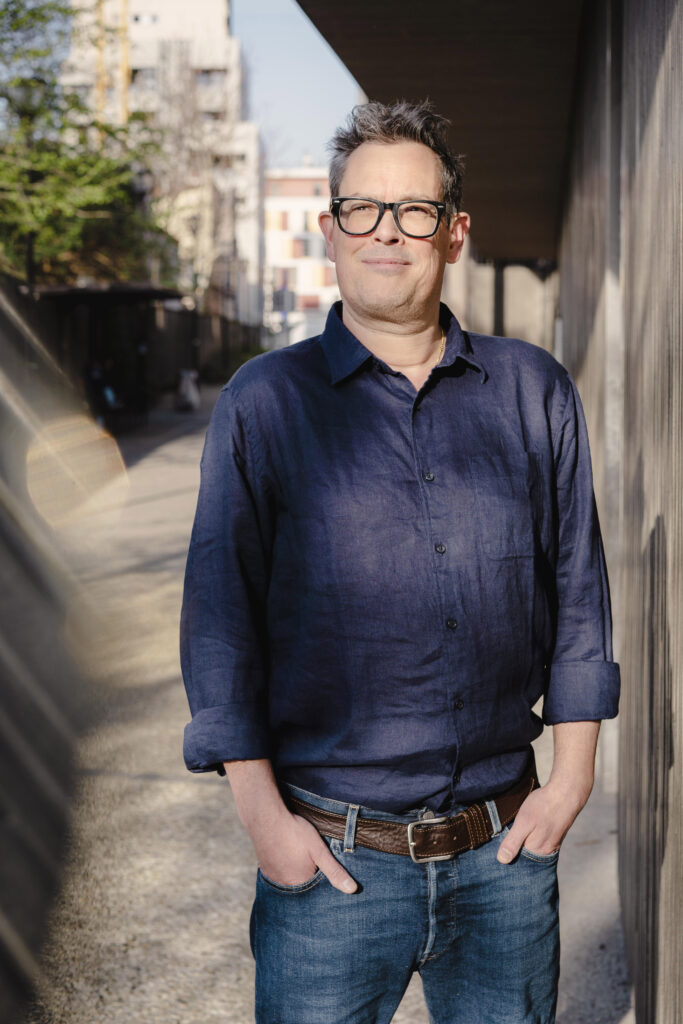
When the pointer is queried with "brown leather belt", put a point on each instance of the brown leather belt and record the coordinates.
(427, 838)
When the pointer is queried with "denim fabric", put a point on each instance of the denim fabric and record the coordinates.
(483, 935)
(381, 583)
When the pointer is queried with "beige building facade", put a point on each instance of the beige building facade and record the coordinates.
(300, 283)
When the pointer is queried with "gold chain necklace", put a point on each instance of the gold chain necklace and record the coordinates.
(442, 347)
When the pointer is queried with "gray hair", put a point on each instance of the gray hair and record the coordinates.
(399, 122)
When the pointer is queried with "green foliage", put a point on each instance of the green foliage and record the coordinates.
(70, 191)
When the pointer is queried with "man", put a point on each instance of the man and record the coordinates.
(396, 553)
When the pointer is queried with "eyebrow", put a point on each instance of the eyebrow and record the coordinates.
(403, 199)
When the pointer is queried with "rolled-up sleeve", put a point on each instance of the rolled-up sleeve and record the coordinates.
(584, 680)
(223, 643)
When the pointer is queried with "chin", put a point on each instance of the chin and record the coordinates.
(386, 305)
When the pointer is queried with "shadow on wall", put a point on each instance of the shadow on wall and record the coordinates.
(645, 769)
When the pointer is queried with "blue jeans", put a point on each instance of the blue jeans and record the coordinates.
(484, 936)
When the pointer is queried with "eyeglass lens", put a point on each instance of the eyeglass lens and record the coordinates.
(359, 216)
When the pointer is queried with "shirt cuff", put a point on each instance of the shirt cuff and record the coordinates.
(221, 734)
(582, 691)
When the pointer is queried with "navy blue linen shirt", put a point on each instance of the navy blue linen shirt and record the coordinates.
(382, 582)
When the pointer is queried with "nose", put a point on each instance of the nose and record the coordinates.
(387, 231)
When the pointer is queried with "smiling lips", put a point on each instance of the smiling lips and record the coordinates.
(385, 263)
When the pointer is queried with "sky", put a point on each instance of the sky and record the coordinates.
(299, 90)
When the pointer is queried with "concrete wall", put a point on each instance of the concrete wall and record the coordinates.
(529, 303)
(621, 303)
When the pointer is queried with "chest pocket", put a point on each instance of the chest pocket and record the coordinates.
(505, 491)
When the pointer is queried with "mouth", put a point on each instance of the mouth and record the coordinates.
(385, 263)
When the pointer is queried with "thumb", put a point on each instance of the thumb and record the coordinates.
(512, 844)
(332, 869)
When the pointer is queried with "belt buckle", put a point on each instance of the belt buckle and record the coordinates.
(411, 842)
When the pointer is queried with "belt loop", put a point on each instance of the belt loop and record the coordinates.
(350, 833)
(494, 816)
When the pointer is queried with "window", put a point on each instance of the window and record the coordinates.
(276, 220)
(284, 279)
(300, 248)
(324, 276)
(208, 77)
(144, 78)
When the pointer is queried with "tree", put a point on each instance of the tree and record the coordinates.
(193, 185)
(70, 195)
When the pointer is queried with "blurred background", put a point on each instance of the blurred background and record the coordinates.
(162, 166)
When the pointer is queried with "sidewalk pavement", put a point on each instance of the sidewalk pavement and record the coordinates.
(151, 926)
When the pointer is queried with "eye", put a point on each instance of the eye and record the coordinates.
(419, 208)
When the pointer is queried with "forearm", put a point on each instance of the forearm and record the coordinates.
(574, 759)
(257, 797)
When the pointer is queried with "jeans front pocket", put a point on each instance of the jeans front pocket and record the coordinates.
(293, 890)
(540, 858)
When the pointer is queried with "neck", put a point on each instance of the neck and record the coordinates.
(408, 347)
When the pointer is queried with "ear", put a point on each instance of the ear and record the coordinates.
(457, 233)
(326, 223)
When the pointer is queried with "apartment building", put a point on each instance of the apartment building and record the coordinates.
(299, 282)
(180, 64)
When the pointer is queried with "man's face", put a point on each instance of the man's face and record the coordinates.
(386, 275)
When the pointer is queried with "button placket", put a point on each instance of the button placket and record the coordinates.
(433, 499)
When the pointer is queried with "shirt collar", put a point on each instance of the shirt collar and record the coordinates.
(345, 353)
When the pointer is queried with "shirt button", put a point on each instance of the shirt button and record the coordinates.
(440, 549)
(452, 624)
(456, 778)
(428, 476)
(459, 704)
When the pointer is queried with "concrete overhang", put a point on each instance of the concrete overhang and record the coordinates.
(503, 73)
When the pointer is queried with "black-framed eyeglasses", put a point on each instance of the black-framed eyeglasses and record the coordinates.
(417, 218)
